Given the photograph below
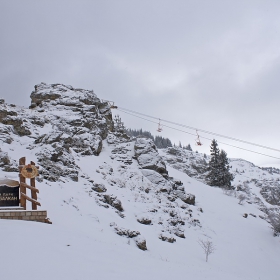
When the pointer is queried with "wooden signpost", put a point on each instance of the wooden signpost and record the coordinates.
(29, 171)
(13, 196)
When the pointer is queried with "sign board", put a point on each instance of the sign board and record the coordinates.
(29, 171)
(9, 193)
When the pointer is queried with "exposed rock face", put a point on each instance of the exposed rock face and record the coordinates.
(6, 163)
(83, 121)
(144, 221)
(169, 239)
(271, 192)
(126, 232)
(62, 120)
(154, 169)
(141, 243)
(189, 162)
(148, 157)
(162, 184)
(99, 188)
(9, 117)
(113, 201)
(56, 162)
(136, 235)
(6, 134)
(187, 198)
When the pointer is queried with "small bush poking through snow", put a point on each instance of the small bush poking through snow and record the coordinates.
(241, 198)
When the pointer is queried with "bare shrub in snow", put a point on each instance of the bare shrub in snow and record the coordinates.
(274, 219)
(241, 198)
(207, 246)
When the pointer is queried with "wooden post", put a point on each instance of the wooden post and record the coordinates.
(33, 193)
(22, 179)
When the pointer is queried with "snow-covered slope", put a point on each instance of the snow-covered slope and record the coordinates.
(121, 198)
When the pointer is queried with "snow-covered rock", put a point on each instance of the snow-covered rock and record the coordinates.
(63, 121)
(148, 157)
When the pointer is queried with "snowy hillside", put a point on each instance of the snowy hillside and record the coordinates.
(260, 185)
(122, 209)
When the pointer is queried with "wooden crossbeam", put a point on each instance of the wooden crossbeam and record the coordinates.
(33, 193)
(30, 199)
(24, 185)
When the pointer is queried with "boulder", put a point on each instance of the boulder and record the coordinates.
(169, 239)
(126, 232)
(144, 221)
(141, 243)
(147, 155)
(99, 188)
(113, 201)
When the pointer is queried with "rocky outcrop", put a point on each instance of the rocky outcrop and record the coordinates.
(154, 168)
(144, 220)
(83, 121)
(6, 134)
(271, 192)
(10, 117)
(193, 164)
(161, 183)
(73, 120)
(6, 163)
(147, 156)
(99, 188)
(167, 238)
(126, 232)
(113, 201)
(141, 243)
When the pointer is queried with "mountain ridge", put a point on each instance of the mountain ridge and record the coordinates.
(115, 195)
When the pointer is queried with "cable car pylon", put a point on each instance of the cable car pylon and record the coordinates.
(159, 126)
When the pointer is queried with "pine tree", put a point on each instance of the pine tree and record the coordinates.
(219, 174)
(213, 176)
(118, 124)
(225, 176)
(189, 147)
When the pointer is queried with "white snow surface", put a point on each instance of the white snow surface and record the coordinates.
(82, 243)
(89, 237)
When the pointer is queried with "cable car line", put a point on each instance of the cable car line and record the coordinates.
(121, 110)
(201, 130)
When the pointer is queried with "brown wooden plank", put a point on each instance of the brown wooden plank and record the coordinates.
(29, 187)
(33, 193)
(22, 161)
(22, 180)
(30, 199)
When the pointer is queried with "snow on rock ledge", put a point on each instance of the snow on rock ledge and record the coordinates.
(148, 157)
(154, 169)
(62, 121)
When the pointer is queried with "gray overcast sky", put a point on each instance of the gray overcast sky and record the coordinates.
(213, 64)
